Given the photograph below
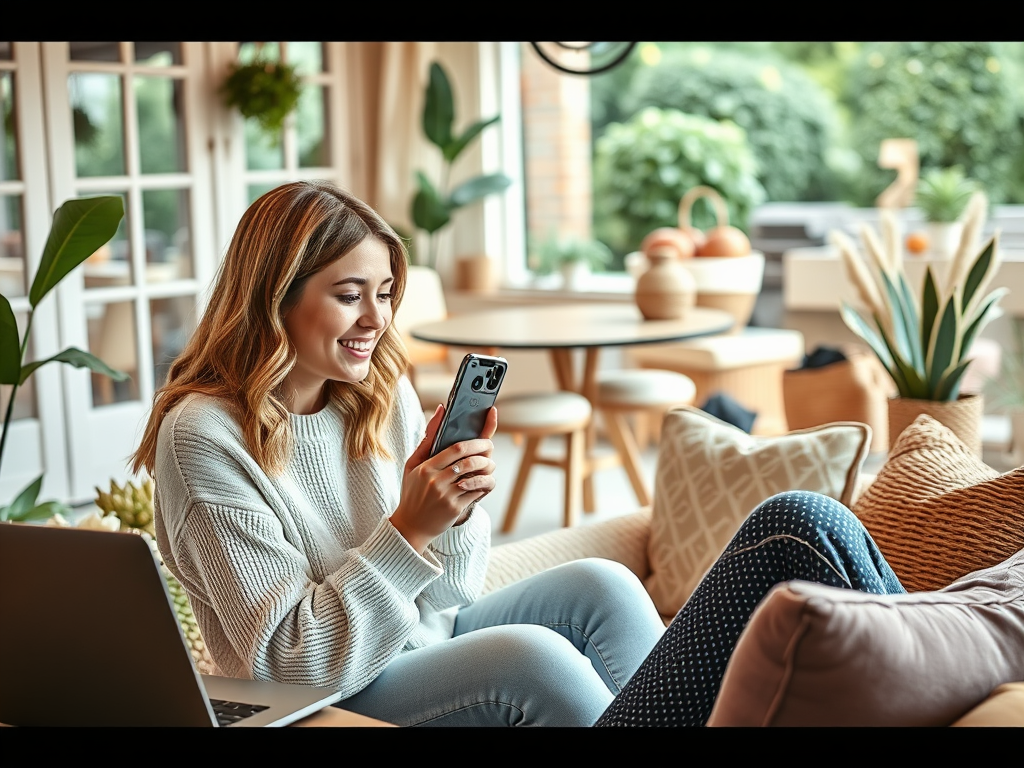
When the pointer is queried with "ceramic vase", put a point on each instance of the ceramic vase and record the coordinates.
(666, 290)
(944, 239)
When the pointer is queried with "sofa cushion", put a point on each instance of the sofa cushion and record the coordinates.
(937, 512)
(817, 655)
(711, 474)
(622, 538)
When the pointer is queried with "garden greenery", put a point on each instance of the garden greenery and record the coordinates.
(790, 120)
(643, 167)
(955, 99)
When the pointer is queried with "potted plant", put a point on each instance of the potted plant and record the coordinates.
(575, 257)
(267, 91)
(80, 226)
(433, 205)
(942, 196)
(924, 341)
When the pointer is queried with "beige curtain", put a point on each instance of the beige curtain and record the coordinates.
(387, 144)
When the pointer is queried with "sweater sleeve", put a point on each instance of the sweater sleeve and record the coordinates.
(262, 612)
(463, 550)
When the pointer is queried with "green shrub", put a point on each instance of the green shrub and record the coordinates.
(643, 167)
(954, 98)
(790, 120)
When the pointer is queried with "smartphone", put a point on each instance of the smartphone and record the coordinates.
(473, 393)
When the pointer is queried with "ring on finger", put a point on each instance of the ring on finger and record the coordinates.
(456, 468)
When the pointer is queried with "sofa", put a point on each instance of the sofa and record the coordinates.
(950, 652)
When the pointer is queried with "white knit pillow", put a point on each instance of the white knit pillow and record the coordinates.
(709, 477)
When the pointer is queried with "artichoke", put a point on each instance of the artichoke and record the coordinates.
(132, 505)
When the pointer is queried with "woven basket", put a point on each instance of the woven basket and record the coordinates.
(962, 416)
(692, 196)
(855, 389)
(707, 271)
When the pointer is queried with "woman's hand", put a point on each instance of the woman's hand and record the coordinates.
(438, 492)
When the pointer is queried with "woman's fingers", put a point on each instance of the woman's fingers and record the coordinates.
(422, 451)
(490, 423)
(471, 465)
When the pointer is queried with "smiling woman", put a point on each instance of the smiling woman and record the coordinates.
(334, 320)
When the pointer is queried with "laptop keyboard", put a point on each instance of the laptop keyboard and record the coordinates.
(230, 712)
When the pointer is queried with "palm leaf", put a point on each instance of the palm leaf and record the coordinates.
(949, 387)
(913, 383)
(429, 211)
(79, 359)
(910, 316)
(978, 271)
(478, 187)
(987, 312)
(945, 344)
(23, 502)
(454, 148)
(929, 309)
(10, 346)
(859, 326)
(79, 228)
(439, 109)
(902, 328)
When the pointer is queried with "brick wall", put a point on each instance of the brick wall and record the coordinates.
(557, 149)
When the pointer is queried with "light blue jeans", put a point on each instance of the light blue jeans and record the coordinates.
(550, 650)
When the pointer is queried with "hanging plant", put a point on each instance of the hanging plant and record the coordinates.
(266, 91)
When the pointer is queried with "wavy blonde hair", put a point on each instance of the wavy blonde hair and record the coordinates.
(240, 351)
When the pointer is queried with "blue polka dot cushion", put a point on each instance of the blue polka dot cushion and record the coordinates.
(814, 655)
(710, 475)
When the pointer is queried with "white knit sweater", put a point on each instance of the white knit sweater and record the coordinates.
(301, 577)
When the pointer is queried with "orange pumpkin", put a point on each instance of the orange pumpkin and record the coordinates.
(670, 239)
(725, 240)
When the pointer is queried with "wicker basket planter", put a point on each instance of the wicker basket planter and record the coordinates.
(962, 416)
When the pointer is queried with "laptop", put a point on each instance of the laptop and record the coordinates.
(90, 638)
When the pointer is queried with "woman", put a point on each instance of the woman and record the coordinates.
(318, 541)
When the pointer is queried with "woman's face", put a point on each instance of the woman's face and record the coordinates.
(337, 321)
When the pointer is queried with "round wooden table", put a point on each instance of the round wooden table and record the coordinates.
(562, 328)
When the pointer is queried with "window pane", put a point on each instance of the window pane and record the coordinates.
(255, 190)
(111, 264)
(112, 339)
(168, 245)
(161, 134)
(157, 54)
(12, 251)
(25, 400)
(99, 131)
(174, 321)
(307, 57)
(8, 137)
(264, 150)
(269, 51)
(94, 51)
(312, 127)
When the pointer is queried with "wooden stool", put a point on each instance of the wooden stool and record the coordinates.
(748, 366)
(647, 394)
(535, 417)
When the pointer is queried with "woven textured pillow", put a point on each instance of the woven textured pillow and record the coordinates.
(814, 655)
(937, 512)
(710, 475)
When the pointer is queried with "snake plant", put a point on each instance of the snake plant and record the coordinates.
(923, 341)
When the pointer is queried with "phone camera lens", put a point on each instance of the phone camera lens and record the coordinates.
(477, 383)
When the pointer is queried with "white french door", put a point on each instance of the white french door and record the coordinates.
(36, 442)
(143, 120)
